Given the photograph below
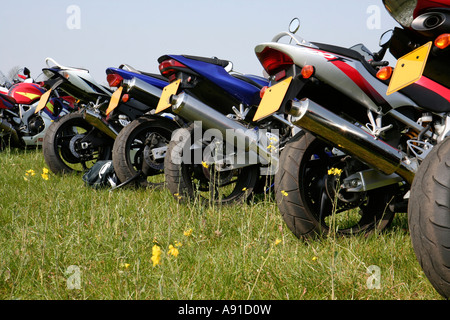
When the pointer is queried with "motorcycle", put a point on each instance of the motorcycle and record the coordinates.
(139, 149)
(428, 23)
(365, 139)
(20, 124)
(77, 141)
(196, 161)
(5, 83)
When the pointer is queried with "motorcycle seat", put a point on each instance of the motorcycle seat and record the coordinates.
(347, 53)
(248, 80)
(428, 95)
(9, 98)
(127, 67)
(215, 61)
(153, 75)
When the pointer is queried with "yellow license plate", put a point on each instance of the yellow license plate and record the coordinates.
(272, 99)
(409, 68)
(43, 101)
(114, 101)
(168, 91)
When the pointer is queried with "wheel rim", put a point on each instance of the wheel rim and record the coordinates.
(334, 209)
(216, 185)
(71, 149)
(145, 151)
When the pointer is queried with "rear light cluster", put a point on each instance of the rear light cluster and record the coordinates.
(169, 68)
(274, 61)
(114, 80)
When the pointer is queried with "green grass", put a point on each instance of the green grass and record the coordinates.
(47, 226)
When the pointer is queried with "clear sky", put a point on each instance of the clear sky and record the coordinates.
(96, 34)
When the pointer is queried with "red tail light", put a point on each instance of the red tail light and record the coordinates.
(169, 67)
(273, 61)
(114, 80)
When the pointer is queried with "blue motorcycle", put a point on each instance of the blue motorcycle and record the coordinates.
(196, 161)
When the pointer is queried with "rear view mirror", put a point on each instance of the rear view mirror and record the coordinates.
(385, 38)
(294, 25)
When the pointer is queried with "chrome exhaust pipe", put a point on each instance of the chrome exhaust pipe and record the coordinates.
(247, 139)
(142, 91)
(6, 127)
(97, 121)
(350, 138)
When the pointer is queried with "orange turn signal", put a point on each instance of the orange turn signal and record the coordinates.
(307, 71)
(384, 73)
(125, 98)
(263, 90)
(443, 41)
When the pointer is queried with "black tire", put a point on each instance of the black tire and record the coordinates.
(186, 180)
(133, 146)
(429, 217)
(61, 149)
(304, 191)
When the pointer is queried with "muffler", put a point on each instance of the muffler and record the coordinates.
(350, 139)
(233, 133)
(6, 127)
(142, 91)
(97, 121)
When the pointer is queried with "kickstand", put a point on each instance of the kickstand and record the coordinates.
(138, 174)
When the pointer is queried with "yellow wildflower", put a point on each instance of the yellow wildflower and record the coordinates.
(125, 265)
(204, 164)
(44, 176)
(30, 172)
(177, 195)
(178, 244)
(335, 171)
(277, 241)
(314, 258)
(173, 251)
(188, 232)
(156, 255)
(284, 193)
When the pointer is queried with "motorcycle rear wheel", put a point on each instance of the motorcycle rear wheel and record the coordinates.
(61, 145)
(187, 180)
(429, 217)
(304, 191)
(135, 144)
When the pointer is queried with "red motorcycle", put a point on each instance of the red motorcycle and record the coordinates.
(20, 125)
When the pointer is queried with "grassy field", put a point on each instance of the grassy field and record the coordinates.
(60, 239)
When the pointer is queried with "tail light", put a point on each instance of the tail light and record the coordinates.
(443, 41)
(384, 73)
(114, 80)
(274, 61)
(170, 67)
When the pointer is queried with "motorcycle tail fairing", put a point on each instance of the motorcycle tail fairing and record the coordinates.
(239, 89)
